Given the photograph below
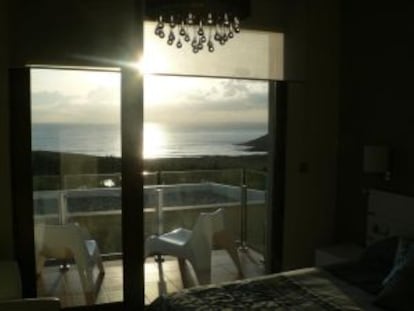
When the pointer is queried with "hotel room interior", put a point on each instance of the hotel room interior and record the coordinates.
(341, 177)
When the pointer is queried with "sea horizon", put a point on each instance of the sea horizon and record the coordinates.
(160, 141)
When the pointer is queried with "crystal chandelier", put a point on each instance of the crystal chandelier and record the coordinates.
(200, 24)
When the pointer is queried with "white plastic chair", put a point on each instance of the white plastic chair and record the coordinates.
(67, 242)
(195, 245)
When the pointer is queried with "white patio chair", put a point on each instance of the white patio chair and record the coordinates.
(195, 245)
(66, 242)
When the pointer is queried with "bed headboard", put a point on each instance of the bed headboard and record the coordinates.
(389, 214)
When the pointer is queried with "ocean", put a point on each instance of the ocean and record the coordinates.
(160, 141)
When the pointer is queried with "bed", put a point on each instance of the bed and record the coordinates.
(371, 282)
(304, 289)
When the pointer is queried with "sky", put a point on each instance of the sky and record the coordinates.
(74, 96)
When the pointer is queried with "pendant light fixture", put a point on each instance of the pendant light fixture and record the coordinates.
(200, 24)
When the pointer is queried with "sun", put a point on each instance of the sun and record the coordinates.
(150, 63)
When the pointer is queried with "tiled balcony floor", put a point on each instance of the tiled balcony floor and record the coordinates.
(67, 287)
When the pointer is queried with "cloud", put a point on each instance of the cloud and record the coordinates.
(50, 99)
(50, 106)
(104, 96)
(215, 101)
(226, 90)
(99, 105)
(169, 100)
(235, 88)
(229, 94)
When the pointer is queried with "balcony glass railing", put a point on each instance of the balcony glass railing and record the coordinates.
(256, 207)
(171, 200)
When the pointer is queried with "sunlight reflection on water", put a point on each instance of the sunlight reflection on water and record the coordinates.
(154, 140)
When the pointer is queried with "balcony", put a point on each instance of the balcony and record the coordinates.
(66, 284)
(171, 200)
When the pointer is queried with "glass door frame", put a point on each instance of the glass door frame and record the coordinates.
(132, 185)
(21, 177)
(277, 124)
(276, 176)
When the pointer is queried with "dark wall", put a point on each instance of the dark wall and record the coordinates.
(266, 15)
(312, 71)
(377, 104)
(6, 244)
(78, 32)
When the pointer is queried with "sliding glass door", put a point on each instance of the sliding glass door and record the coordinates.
(66, 146)
(76, 163)
(206, 144)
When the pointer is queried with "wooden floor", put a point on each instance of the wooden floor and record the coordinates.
(66, 284)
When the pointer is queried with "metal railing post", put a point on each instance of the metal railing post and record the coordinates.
(162, 286)
(62, 207)
(243, 198)
(243, 211)
(158, 174)
(159, 212)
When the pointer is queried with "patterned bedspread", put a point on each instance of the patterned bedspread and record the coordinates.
(277, 292)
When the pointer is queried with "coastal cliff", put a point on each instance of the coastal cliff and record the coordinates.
(258, 144)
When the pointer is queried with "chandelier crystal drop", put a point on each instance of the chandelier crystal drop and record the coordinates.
(197, 24)
(198, 31)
